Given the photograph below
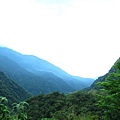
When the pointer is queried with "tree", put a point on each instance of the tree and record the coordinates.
(109, 99)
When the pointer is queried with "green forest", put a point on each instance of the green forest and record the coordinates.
(94, 104)
(26, 93)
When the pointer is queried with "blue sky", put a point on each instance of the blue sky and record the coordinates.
(80, 36)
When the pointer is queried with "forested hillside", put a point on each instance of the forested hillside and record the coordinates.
(31, 82)
(62, 102)
(11, 90)
(100, 103)
(37, 66)
(95, 86)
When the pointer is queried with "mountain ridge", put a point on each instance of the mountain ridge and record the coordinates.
(32, 83)
(37, 66)
(94, 85)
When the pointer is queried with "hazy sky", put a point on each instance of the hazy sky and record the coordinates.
(80, 36)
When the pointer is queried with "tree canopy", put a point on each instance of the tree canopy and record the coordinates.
(109, 99)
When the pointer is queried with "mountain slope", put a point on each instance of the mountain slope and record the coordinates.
(36, 65)
(94, 86)
(31, 82)
(11, 90)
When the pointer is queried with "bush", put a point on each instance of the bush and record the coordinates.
(16, 113)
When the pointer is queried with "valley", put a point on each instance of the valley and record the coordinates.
(53, 94)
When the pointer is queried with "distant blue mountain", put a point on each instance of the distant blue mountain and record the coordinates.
(52, 76)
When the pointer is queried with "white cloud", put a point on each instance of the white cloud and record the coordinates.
(80, 36)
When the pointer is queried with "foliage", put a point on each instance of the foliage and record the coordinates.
(95, 104)
(4, 112)
(79, 105)
(59, 106)
(11, 90)
(109, 99)
(17, 113)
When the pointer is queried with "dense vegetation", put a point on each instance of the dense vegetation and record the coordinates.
(96, 104)
(37, 75)
(16, 113)
(62, 107)
(109, 100)
(11, 90)
(101, 101)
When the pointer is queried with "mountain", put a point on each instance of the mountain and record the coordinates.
(37, 66)
(80, 103)
(94, 86)
(31, 82)
(11, 90)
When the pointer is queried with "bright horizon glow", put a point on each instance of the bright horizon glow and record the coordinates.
(79, 36)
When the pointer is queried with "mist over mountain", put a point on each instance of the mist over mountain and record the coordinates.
(37, 75)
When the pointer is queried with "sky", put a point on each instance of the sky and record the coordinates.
(79, 36)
